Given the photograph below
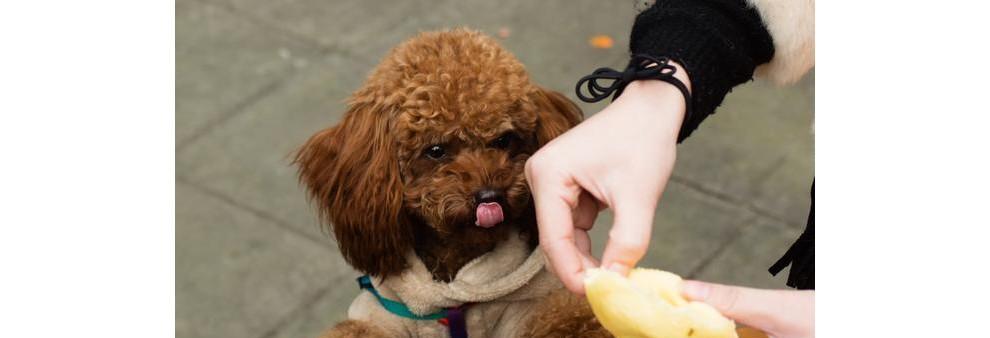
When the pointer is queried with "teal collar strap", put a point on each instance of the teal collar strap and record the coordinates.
(397, 308)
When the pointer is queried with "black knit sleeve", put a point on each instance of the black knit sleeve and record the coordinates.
(719, 43)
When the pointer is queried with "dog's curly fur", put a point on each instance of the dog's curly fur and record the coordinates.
(443, 116)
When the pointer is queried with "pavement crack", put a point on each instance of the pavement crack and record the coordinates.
(321, 242)
(745, 225)
(321, 50)
(766, 174)
(232, 112)
(732, 200)
(321, 47)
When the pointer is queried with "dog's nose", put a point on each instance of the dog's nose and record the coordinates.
(487, 195)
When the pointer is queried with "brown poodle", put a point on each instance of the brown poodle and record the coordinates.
(422, 184)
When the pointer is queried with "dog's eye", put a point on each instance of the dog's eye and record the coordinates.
(504, 141)
(435, 152)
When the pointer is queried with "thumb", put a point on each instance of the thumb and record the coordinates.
(752, 307)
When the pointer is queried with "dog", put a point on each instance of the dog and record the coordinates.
(423, 187)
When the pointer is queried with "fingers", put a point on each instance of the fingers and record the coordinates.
(586, 211)
(773, 311)
(554, 197)
(584, 218)
(732, 301)
(629, 237)
(583, 242)
(558, 243)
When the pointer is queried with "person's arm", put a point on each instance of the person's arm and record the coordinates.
(621, 158)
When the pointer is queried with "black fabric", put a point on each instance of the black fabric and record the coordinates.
(718, 42)
(801, 255)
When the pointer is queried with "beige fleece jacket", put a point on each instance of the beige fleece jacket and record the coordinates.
(503, 284)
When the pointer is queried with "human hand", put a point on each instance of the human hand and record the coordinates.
(620, 158)
(778, 313)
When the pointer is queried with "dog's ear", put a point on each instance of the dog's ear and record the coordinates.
(556, 114)
(352, 174)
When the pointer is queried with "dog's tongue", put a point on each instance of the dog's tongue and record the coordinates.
(489, 214)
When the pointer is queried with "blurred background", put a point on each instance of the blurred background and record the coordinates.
(255, 78)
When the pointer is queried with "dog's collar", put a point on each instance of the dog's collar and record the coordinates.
(452, 318)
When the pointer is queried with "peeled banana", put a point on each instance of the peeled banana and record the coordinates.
(648, 304)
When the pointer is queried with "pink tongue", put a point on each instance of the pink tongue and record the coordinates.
(489, 214)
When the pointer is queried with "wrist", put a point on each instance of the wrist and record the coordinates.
(660, 104)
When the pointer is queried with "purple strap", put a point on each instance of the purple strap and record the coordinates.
(456, 323)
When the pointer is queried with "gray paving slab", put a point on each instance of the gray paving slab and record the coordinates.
(786, 190)
(238, 275)
(249, 157)
(758, 149)
(355, 27)
(745, 261)
(224, 62)
(326, 311)
(550, 37)
(689, 227)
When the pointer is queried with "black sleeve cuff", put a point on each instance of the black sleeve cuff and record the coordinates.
(718, 42)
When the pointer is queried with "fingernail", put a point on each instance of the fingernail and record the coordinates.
(618, 268)
(696, 290)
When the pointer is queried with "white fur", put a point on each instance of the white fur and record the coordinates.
(791, 23)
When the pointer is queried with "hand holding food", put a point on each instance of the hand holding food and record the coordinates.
(648, 304)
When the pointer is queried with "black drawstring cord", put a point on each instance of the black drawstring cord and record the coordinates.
(639, 68)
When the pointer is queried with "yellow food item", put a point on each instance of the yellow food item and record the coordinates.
(649, 304)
